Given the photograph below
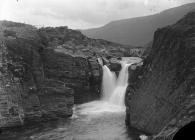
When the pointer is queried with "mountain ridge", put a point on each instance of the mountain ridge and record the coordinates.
(138, 31)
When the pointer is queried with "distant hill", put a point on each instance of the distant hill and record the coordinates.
(138, 31)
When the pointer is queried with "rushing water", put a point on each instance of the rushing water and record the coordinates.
(97, 120)
(108, 83)
(118, 95)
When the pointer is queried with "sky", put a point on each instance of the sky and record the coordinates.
(80, 14)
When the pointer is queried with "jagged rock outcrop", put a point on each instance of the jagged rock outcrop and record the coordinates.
(161, 94)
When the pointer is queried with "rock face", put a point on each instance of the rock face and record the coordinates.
(79, 73)
(10, 94)
(27, 94)
(161, 94)
(39, 68)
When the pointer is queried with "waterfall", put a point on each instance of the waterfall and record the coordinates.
(108, 83)
(118, 94)
(113, 89)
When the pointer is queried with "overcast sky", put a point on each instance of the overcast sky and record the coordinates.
(80, 14)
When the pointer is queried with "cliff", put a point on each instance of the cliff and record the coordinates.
(39, 68)
(160, 96)
(26, 93)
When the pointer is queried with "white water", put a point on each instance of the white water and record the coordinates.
(113, 92)
(108, 83)
(113, 89)
(118, 94)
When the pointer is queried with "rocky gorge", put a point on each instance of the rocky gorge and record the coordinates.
(45, 71)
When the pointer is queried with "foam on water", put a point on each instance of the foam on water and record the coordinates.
(113, 91)
(97, 107)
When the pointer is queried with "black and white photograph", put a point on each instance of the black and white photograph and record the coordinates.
(97, 69)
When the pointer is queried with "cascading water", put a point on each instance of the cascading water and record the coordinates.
(108, 83)
(118, 94)
(113, 90)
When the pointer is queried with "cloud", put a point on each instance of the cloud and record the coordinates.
(80, 13)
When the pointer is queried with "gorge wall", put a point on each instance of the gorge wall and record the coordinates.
(161, 94)
(39, 68)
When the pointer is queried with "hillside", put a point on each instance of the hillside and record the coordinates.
(138, 31)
